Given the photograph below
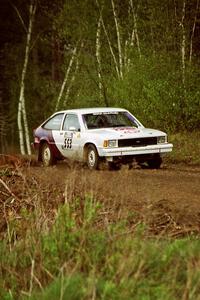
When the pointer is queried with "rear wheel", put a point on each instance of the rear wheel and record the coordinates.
(47, 156)
(155, 162)
(92, 158)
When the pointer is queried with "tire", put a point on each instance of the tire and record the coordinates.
(47, 157)
(155, 162)
(92, 158)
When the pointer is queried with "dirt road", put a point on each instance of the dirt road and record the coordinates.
(167, 200)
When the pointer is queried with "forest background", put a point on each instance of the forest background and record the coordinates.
(142, 55)
(67, 233)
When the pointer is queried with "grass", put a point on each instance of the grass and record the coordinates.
(186, 148)
(77, 256)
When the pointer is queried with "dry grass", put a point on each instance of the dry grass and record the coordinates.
(112, 232)
(157, 198)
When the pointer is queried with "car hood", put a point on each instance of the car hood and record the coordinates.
(126, 132)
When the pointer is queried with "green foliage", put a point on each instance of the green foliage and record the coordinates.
(186, 147)
(153, 91)
(77, 259)
(152, 86)
(69, 232)
(71, 287)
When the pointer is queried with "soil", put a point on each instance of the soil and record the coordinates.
(167, 200)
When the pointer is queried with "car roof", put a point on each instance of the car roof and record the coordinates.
(91, 110)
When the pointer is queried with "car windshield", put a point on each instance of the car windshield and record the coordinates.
(109, 120)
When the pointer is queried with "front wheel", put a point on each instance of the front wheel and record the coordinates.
(92, 158)
(46, 156)
(155, 162)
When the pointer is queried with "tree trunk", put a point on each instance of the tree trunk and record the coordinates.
(193, 30)
(66, 78)
(108, 40)
(98, 56)
(183, 45)
(20, 125)
(111, 48)
(118, 40)
(135, 31)
(22, 116)
(70, 83)
(26, 129)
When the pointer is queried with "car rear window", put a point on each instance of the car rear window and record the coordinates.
(54, 123)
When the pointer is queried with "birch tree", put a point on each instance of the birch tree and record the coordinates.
(108, 40)
(72, 79)
(68, 70)
(135, 30)
(183, 45)
(98, 56)
(193, 30)
(22, 122)
(118, 40)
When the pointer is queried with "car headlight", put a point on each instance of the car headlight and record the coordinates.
(161, 139)
(110, 143)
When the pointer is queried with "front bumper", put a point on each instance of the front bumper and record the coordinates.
(151, 149)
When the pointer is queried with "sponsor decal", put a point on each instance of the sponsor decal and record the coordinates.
(68, 139)
(127, 130)
(67, 143)
(68, 135)
(106, 113)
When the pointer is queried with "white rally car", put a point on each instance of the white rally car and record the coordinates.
(93, 135)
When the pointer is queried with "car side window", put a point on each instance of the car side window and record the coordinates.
(54, 123)
(71, 121)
